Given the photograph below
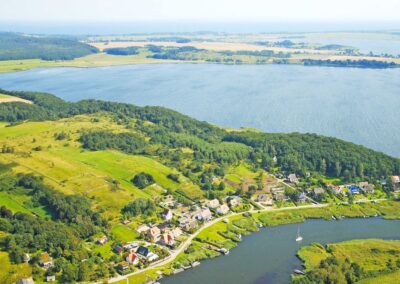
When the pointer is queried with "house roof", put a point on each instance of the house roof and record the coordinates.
(45, 257)
(132, 257)
(154, 231)
(142, 251)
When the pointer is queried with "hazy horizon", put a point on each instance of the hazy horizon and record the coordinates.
(101, 27)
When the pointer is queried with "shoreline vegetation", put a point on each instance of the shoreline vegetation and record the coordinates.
(355, 261)
(113, 181)
(216, 49)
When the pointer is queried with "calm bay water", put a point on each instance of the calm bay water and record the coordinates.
(270, 255)
(358, 105)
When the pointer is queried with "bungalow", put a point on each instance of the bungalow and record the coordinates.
(167, 214)
(152, 257)
(302, 197)
(168, 239)
(51, 278)
(369, 188)
(223, 209)
(130, 246)
(142, 252)
(102, 240)
(26, 257)
(213, 203)
(395, 179)
(123, 265)
(187, 224)
(205, 214)
(235, 201)
(154, 234)
(177, 232)
(292, 178)
(26, 281)
(45, 260)
(354, 189)
(118, 249)
(132, 258)
(143, 229)
(169, 201)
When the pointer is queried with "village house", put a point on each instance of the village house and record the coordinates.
(26, 257)
(102, 240)
(118, 249)
(143, 229)
(142, 252)
(123, 265)
(168, 201)
(164, 227)
(168, 239)
(167, 215)
(235, 201)
(51, 278)
(213, 203)
(395, 179)
(187, 224)
(154, 234)
(204, 214)
(126, 222)
(353, 189)
(130, 246)
(223, 209)
(366, 187)
(132, 258)
(26, 281)
(177, 232)
(292, 178)
(302, 197)
(45, 260)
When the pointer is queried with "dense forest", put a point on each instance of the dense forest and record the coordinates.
(18, 46)
(70, 221)
(131, 50)
(350, 63)
(211, 145)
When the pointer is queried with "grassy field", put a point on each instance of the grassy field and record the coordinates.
(94, 60)
(6, 99)
(372, 255)
(10, 273)
(69, 169)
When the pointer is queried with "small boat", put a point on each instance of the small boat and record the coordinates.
(299, 238)
(297, 271)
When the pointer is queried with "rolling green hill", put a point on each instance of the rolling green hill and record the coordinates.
(71, 172)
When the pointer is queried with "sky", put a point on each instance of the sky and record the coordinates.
(200, 10)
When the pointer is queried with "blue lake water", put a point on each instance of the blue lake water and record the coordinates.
(270, 255)
(358, 105)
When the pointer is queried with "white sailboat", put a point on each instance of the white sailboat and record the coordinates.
(299, 238)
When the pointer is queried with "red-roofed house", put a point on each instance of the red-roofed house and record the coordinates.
(132, 258)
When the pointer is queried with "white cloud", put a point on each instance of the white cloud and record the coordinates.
(212, 10)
